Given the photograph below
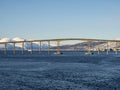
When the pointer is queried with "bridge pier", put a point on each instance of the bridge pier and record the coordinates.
(107, 51)
(14, 50)
(89, 48)
(22, 47)
(31, 48)
(116, 51)
(48, 47)
(98, 50)
(5, 49)
(58, 48)
(39, 47)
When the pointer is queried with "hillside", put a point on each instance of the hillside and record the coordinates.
(94, 46)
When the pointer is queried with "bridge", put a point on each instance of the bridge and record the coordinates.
(58, 44)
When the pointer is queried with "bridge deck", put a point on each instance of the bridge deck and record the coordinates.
(63, 39)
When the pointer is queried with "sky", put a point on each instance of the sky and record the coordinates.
(51, 19)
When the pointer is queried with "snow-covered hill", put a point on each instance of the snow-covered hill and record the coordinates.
(111, 45)
(5, 40)
(27, 45)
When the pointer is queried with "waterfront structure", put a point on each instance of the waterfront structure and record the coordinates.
(89, 41)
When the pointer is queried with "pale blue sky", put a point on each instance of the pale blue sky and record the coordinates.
(47, 19)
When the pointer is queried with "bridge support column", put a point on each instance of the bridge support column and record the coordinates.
(48, 47)
(116, 50)
(98, 50)
(107, 49)
(58, 48)
(14, 50)
(22, 47)
(89, 48)
(5, 49)
(40, 47)
(31, 48)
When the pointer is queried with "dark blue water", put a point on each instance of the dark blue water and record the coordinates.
(72, 70)
(52, 53)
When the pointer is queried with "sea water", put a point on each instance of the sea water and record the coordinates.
(72, 70)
